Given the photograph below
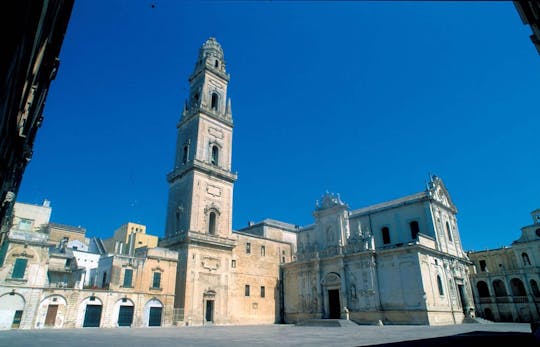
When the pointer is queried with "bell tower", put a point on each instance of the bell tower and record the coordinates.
(199, 209)
(201, 183)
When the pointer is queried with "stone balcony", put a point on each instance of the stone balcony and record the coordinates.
(32, 237)
(192, 236)
(206, 168)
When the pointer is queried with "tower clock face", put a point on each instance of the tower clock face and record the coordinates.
(538, 232)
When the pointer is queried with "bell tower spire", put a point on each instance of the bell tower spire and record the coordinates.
(208, 82)
(201, 183)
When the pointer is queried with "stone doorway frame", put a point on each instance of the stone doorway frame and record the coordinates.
(332, 281)
(209, 295)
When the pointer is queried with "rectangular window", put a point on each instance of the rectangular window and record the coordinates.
(19, 268)
(128, 277)
(26, 224)
(157, 280)
(233, 263)
(385, 235)
(263, 251)
(246, 290)
(482, 265)
(248, 248)
(263, 291)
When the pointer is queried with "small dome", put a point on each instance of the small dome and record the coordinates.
(211, 47)
(212, 43)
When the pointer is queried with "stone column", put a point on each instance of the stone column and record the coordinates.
(343, 290)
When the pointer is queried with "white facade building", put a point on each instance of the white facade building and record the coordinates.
(398, 262)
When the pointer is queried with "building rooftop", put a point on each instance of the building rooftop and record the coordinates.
(76, 229)
(389, 204)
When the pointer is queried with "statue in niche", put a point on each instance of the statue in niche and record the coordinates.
(353, 291)
(366, 237)
(354, 237)
(314, 304)
(329, 234)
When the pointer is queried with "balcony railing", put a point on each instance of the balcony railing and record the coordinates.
(486, 300)
(503, 299)
(520, 299)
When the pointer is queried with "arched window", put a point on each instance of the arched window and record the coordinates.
(534, 287)
(440, 285)
(385, 235)
(216, 63)
(500, 289)
(525, 257)
(212, 223)
(483, 290)
(518, 289)
(449, 231)
(185, 154)
(415, 229)
(215, 155)
(215, 99)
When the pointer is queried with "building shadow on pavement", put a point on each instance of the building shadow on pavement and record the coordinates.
(473, 339)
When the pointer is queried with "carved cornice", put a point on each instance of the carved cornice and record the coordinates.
(196, 237)
(23, 254)
(211, 240)
(198, 110)
(208, 169)
(208, 68)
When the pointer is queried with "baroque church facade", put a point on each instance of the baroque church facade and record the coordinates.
(397, 262)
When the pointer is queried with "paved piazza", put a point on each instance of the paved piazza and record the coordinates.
(268, 335)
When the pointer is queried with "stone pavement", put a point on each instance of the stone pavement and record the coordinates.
(463, 335)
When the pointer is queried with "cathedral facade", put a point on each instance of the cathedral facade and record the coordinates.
(397, 262)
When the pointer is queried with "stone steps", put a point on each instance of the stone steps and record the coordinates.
(477, 320)
(335, 323)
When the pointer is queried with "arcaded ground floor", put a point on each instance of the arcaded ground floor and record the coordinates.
(464, 335)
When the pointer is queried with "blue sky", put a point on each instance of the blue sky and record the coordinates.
(364, 99)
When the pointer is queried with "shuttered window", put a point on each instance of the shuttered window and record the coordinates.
(128, 277)
(19, 268)
(157, 280)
